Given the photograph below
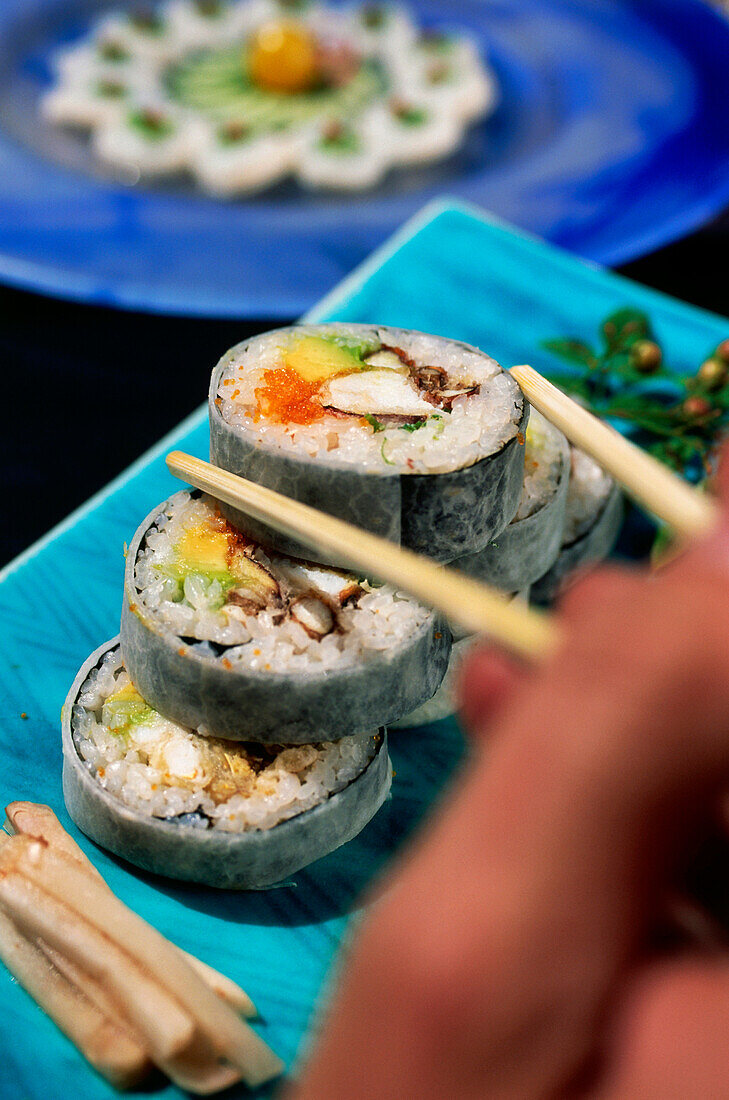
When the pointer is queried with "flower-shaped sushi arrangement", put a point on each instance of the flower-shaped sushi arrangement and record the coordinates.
(235, 731)
(241, 94)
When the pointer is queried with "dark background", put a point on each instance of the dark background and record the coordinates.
(87, 390)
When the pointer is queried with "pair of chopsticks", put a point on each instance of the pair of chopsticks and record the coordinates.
(126, 997)
(471, 605)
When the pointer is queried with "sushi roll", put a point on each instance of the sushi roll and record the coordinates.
(201, 24)
(146, 34)
(383, 29)
(232, 158)
(96, 82)
(444, 703)
(343, 156)
(236, 641)
(413, 131)
(96, 101)
(415, 438)
(452, 77)
(527, 548)
(593, 520)
(150, 140)
(222, 813)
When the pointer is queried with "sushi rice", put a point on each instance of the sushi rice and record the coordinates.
(235, 641)
(587, 495)
(477, 424)
(160, 769)
(543, 460)
(372, 620)
(594, 517)
(314, 411)
(529, 545)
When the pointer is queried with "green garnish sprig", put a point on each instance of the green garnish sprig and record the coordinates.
(677, 419)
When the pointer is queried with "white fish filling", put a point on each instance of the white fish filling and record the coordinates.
(160, 769)
(587, 495)
(442, 79)
(477, 425)
(379, 620)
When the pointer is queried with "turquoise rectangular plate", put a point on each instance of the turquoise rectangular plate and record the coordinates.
(450, 271)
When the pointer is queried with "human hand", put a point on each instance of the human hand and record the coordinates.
(512, 953)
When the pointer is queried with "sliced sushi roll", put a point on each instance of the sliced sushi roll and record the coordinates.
(96, 83)
(105, 56)
(222, 813)
(144, 33)
(593, 520)
(416, 438)
(412, 130)
(96, 101)
(383, 28)
(343, 156)
(236, 641)
(200, 24)
(151, 140)
(527, 548)
(444, 703)
(232, 158)
(454, 79)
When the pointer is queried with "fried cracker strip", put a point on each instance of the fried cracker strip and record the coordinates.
(39, 821)
(60, 875)
(155, 1015)
(107, 1047)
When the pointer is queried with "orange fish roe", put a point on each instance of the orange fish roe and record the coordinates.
(286, 398)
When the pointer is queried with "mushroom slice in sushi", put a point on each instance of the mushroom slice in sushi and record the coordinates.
(240, 642)
(593, 520)
(217, 812)
(526, 549)
(416, 438)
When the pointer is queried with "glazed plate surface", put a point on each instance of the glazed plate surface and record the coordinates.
(454, 273)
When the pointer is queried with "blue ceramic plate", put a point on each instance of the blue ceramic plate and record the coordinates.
(610, 140)
(450, 272)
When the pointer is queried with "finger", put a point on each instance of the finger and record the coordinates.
(669, 1034)
(486, 680)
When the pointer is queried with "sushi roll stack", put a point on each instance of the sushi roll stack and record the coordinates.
(235, 731)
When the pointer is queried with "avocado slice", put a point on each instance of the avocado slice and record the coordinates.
(124, 708)
(216, 554)
(316, 358)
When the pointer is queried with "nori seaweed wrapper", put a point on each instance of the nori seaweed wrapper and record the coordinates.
(197, 690)
(250, 860)
(591, 547)
(443, 515)
(527, 548)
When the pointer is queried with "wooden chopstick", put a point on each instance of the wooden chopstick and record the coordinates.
(473, 606)
(684, 509)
